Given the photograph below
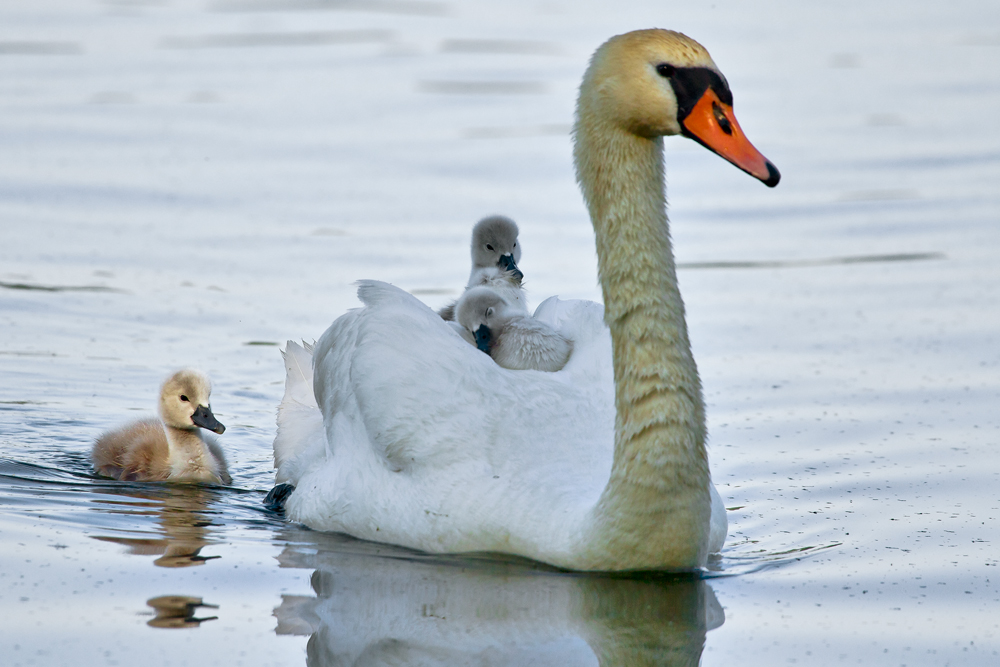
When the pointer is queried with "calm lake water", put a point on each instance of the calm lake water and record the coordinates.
(193, 182)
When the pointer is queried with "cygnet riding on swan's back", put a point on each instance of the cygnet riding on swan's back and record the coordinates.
(514, 340)
(170, 448)
(433, 446)
(495, 254)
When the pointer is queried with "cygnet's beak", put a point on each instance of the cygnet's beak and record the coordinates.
(484, 338)
(204, 418)
(506, 262)
(712, 124)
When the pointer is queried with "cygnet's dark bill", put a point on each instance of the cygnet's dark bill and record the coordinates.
(484, 338)
(507, 263)
(204, 418)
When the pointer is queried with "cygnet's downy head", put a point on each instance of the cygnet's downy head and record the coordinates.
(494, 244)
(483, 312)
(184, 402)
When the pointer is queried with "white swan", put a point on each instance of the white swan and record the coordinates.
(495, 254)
(513, 339)
(426, 443)
(172, 447)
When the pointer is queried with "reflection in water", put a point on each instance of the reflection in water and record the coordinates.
(183, 518)
(177, 611)
(826, 261)
(59, 288)
(395, 607)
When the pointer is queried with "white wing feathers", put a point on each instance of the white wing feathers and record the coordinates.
(300, 438)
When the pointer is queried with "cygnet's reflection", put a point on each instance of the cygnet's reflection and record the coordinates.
(378, 605)
(183, 514)
(178, 611)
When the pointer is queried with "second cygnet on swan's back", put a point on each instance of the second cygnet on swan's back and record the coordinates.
(515, 340)
(495, 254)
(172, 447)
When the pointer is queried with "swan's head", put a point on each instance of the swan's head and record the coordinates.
(654, 83)
(494, 244)
(184, 402)
(483, 312)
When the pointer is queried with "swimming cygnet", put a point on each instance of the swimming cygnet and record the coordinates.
(495, 254)
(515, 340)
(170, 448)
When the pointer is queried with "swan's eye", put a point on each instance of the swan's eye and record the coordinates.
(184, 398)
(489, 247)
(665, 70)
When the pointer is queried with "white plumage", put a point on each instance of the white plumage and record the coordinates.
(418, 439)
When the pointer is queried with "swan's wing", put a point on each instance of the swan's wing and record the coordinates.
(395, 378)
(427, 440)
(462, 332)
(590, 364)
(300, 436)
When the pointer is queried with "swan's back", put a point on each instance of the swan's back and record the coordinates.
(134, 452)
(391, 464)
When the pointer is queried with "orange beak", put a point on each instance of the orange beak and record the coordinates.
(712, 124)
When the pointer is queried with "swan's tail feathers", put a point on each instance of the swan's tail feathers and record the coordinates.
(298, 373)
(276, 497)
(300, 422)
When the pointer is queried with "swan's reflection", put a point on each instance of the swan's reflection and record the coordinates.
(183, 515)
(378, 605)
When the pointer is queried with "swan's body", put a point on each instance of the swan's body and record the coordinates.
(172, 447)
(513, 339)
(443, 450)
(495, 252)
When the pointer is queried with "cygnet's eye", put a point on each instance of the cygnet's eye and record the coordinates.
(489, 247)
(515, 244)
(665, 70)
(184, 398)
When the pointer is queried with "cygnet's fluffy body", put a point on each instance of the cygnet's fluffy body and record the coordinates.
(513, 339)
(495, 254)
(172, 447)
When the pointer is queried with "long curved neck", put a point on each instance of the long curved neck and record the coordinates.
(655, 509)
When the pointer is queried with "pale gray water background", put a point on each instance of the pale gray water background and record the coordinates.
(217, 174)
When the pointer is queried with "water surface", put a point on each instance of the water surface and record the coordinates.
(191, 183)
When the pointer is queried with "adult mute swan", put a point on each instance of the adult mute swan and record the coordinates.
(416, 438)
(172, 447)
(495, 254)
